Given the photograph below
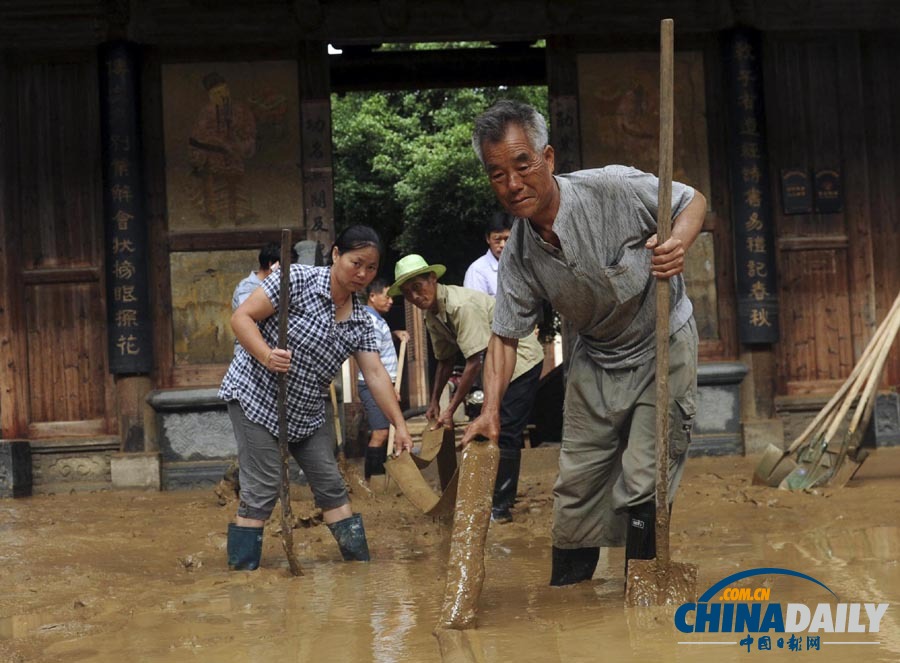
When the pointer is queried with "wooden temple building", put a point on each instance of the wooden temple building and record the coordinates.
(125, 223)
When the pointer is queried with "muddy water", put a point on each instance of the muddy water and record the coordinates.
(112, 577)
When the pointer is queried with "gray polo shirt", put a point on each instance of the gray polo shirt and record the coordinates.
(599, 280)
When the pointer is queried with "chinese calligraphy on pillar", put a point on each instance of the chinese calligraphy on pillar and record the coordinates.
(751, 204)
(318, 194)
(566, 139)
(130, 340)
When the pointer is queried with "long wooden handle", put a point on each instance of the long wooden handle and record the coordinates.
(401, 360)
(663, 230)
(337, 417)
(284, 302)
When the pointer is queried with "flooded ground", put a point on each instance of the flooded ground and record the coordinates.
(141, 577)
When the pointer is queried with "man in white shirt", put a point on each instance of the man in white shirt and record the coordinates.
(482, 274)
(269, 256)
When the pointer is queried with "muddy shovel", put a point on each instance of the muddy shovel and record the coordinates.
(465, 568)
(660, 581)
(284, 302)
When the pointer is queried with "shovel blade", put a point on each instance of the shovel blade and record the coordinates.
(774, 466)
(652, 583)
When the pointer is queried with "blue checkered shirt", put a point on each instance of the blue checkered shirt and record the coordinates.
(319, 346)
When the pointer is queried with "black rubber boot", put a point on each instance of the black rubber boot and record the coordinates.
(244, 547)
(375, 457)
(640, 538)
(573, 565)
(351, 538)
(507, 485)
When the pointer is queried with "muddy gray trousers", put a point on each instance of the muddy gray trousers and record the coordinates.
(607, 461)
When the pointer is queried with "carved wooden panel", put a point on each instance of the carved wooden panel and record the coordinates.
(66, 352)
(58, 213)
(816, 340)
(58, 159)
(827, 284)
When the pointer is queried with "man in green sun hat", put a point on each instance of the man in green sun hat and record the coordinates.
(459, 320)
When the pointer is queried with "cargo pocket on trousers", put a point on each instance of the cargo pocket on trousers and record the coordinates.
(682, 426)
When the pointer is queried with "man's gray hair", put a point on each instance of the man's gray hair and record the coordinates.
(491, 126)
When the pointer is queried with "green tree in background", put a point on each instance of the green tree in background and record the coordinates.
(404, 165)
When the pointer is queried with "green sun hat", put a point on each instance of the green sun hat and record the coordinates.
(409, 267)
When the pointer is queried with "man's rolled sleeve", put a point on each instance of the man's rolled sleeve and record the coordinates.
(442, 348)
(518, 307)
(646, 188)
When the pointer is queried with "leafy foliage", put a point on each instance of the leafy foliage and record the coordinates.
(404, 165)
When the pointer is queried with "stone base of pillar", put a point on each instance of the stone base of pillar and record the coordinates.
(15, 468)
(135, 470)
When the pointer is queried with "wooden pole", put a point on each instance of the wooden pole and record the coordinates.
(284, 302)
(663, 231)
(401, 360)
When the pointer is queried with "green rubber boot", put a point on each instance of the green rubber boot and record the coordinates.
(244, 547)
(351, 538)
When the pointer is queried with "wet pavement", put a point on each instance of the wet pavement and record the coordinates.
(129, 576)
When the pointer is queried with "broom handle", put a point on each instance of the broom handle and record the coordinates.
(400, 362)
(663, 230)
(284, 302)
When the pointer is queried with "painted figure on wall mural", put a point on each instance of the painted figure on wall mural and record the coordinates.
(223, 138)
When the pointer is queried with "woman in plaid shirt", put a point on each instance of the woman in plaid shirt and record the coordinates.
(325, 326)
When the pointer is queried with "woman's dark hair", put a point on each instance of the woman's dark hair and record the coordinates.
(357, 237)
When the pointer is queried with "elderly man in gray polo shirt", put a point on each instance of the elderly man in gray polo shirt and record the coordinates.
(585, 242)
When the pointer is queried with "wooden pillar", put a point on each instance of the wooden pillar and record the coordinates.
(13, 351)
(315, 140)
(315, 155)
(565, 125)
(129, 326)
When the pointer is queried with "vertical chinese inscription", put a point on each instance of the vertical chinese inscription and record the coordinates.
(130, 345)
(751, 193)
(318, 191)
(566, 140)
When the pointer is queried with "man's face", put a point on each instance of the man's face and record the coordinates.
(421, 291)
(496, 241)
(380, 301)
(521, 177)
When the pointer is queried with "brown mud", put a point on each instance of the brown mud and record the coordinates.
(130, 576)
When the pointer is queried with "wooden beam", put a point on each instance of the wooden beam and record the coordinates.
(463, 67)
(61, 275)
(222, 240)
